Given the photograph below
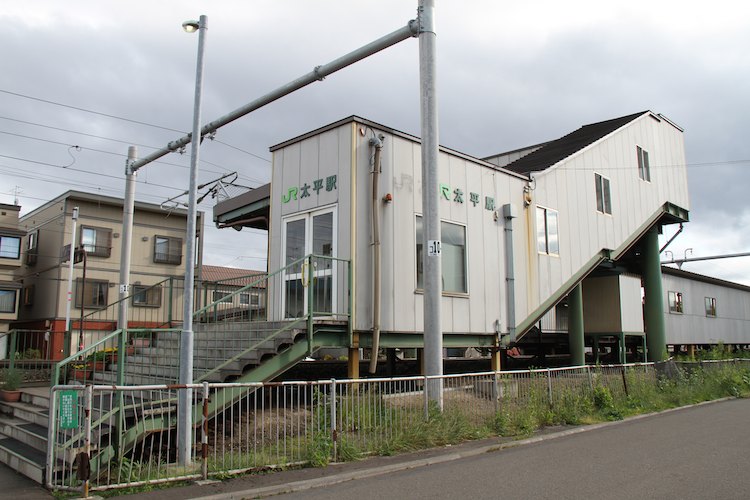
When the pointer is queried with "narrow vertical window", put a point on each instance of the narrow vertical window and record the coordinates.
(675, 302)
(603, 195)
(711, 307)
(548, 240)
(644, 169)
(452, 255)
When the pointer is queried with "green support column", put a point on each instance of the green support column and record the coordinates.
(575, 327)
(654, 310)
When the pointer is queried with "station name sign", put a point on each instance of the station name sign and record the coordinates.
(303, 191)
(457, 196)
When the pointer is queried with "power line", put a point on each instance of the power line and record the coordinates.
(161, 162)
(137, 122)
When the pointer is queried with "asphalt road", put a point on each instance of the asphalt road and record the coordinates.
(697, 453)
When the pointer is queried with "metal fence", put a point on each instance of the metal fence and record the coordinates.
(128, 432)
(28, 353)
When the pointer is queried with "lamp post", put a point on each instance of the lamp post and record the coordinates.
(184, 417)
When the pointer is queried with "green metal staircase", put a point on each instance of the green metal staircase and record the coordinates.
(229, 347)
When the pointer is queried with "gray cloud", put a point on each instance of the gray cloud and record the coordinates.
(509, 76)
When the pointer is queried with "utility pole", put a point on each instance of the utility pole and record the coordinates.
(71, 260)
(433, 331)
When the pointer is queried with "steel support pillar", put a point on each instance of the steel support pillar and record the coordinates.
(654, 306)
(575, 326)
(353, 363)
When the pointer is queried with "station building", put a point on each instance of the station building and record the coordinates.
(560, 235)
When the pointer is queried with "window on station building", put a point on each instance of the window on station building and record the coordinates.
(452, 254)
(644, 169)
(711, 307)
(603, 195)
(675, 302)
(547, 235)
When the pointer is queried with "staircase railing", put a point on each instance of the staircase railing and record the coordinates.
(310, 290)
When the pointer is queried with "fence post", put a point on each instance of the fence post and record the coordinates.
(310, 305)
(334, 431)
(624, 380)
(51, 436)
(12, 348)
(204, 432)
(496, 391)
(591, 379)
(88, 393)
(549, 386)
(426, 399)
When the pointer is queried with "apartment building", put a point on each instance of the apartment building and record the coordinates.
(157, 262)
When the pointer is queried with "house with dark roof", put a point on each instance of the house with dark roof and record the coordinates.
(556, 237)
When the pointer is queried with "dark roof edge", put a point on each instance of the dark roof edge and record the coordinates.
(705, 279)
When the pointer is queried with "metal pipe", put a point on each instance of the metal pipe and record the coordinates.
(510, 275)
(317, 74)
(128, 209)
(433, 332)
(185, 413)
(377, 143)
(672, 238)
(70, 273)
(710, 257)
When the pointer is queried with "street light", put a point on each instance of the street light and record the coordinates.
(184, 416)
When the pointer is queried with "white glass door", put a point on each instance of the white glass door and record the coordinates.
(309, 233)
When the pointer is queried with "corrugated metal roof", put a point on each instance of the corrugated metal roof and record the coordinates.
(230, 275)
(705, 279)
(557, 150)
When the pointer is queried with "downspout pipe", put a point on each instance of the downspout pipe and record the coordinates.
(377, 144)
(509, 213)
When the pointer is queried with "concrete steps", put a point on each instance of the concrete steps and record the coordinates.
(23, 433)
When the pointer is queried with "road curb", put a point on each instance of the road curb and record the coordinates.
(343, 477)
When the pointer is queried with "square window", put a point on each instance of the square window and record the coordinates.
(96, 241)
(146, 296)
(167, 250)
(10, 247)
(92, 294)
(222, 296)
(7, 301)
(603, 195)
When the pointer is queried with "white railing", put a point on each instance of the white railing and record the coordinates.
(275, 424)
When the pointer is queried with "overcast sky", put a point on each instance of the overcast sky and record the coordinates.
(508, 76)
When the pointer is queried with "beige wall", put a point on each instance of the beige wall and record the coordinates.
(9, 266)
(53, 222)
